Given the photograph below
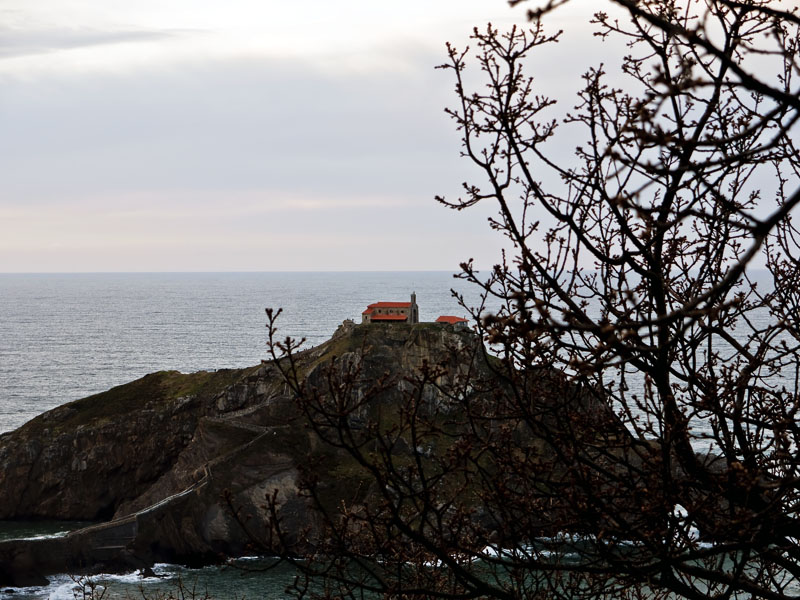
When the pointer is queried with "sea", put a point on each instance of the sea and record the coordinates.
(67, 336)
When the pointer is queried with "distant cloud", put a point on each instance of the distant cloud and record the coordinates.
(229, 125)
(21, 42)
(245, 135)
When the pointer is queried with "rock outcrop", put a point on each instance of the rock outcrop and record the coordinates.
(173, 464)
(159, 455)
(84, 459)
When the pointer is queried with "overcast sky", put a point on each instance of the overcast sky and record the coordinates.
(246, 135)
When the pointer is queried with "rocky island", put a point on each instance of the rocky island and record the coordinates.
(158, 462)
(151, 459)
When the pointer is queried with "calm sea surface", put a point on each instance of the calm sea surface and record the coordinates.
(64, 337)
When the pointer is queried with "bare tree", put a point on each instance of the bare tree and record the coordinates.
(636, 432)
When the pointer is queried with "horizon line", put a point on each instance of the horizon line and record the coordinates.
(225, 272)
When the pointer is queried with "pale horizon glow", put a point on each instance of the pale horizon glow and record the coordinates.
(244, 136)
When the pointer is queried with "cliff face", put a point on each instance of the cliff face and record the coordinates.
(259, 444)
(83, 459)
(158, 453)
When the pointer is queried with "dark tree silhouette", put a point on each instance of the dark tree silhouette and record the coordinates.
(633, 431)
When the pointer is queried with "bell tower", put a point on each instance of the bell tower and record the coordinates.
(414, 316)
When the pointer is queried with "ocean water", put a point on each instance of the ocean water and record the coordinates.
(244, 579)
(64, 337)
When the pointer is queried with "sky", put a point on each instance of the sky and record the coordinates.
(246, 135)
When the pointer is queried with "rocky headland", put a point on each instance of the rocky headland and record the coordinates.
(159, 462)
(152, 459)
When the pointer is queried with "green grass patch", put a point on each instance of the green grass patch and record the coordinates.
(156, 389)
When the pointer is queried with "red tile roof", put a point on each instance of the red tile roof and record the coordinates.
(388, 318)
(450, 319)
(390, 305)
(368, 311)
